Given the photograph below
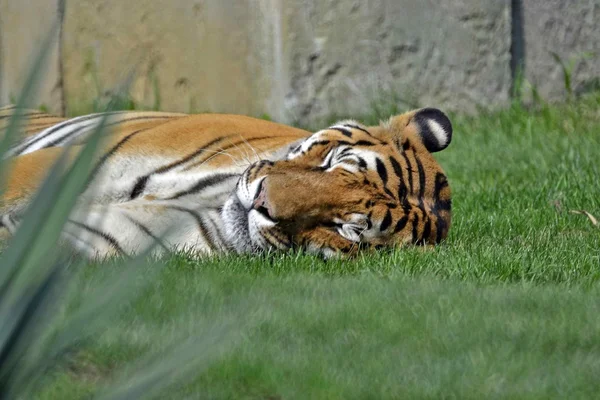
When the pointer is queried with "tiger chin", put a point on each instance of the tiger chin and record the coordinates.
(227, 183)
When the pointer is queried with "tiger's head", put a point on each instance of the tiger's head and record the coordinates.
(347, 187)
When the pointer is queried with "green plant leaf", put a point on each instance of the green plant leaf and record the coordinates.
(30, 87)
(156, 373)
(28, 267)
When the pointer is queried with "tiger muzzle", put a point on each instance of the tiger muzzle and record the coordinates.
(299, 198)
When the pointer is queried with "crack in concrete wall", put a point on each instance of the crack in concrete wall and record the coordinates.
(62, 4)
(517, 48)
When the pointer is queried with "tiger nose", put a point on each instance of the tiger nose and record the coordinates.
(261, 203)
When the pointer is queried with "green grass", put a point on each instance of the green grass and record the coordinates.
(507, 307)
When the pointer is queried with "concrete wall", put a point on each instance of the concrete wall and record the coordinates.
(188, 56)
(297, 60)
(571, 30)
(340, 56)
(24, 25)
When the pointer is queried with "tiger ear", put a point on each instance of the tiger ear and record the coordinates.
(430, 125)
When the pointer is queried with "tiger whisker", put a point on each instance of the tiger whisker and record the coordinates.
(219, 152)
(258, 158)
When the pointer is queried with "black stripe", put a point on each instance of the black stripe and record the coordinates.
(346, 151)
(441, 182)
(142, 181)
(222, 150)
(107, 237)
(415, 232)
(189, 157)
(110, 152)
(422, 179)
(424, 214)
(139, 187)
(359, 128)
(147, 231)
(201, 225)
(402, 191)
(409, 171)
(387, 221)
(319, 143)
(397, 168)
(340, 142)
(389, 192)
(441, 226)
(403, 197)
(58, 127)
(361, 162)
(68, 135)
(381, 170)
(75, 132)
(59, 140)
(426, 231)
(363, 143)
(443, 205)
(401, 224)
(204, 184)
(343, 131)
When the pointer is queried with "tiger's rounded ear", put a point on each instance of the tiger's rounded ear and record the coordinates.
(434, 128)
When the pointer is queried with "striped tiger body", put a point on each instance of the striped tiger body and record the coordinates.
(229, 183)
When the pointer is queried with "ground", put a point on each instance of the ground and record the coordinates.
(507, 307)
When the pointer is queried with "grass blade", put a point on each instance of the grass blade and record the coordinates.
(17, 356)
(32, 81)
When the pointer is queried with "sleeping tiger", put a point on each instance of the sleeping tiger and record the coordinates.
(228, 183)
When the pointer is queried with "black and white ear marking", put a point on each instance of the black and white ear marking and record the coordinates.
(435, 128)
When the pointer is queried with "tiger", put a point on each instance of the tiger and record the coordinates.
(224, 183)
